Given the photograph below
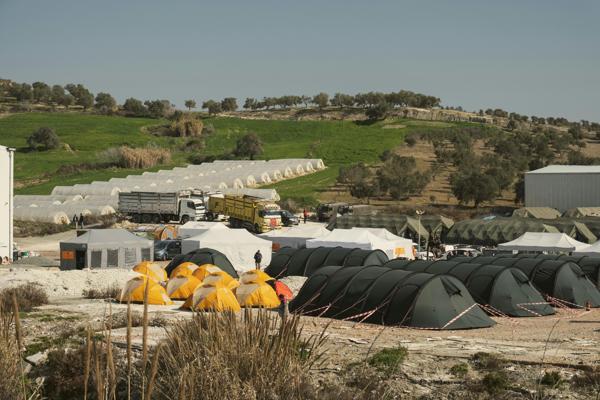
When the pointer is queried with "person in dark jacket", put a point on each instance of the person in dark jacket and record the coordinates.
(257, 259)
(75, 220)
(283, 309)
(81, 220)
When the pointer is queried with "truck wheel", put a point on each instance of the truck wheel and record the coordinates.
(210, 216)
(184, 219)
(156, 219)
(257, 228)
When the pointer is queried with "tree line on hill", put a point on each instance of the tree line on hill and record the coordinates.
(375, 104)
(476, 176)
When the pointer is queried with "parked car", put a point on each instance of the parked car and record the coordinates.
(166, 249)
(288, 219)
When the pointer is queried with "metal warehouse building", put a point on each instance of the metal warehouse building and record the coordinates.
(563, 187)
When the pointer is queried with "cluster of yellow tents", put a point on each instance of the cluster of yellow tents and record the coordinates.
(204, 288)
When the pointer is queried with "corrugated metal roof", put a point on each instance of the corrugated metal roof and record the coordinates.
(567, 169)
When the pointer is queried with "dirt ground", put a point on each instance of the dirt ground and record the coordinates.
(567, 342)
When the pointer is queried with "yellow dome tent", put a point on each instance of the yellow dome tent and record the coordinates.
(181, 287)
(255, 275)
(151, 270)
(257, 294)
(212, 297)
(185, 268)
(223, 278)
(134, 291)
(204, 270)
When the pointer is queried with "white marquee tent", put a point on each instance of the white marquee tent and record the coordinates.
(238, 245)
(195, 228)
(592, 250)
(363, 239)
(295, 236)
(544, 241)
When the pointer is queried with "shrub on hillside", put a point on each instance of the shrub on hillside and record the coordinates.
(143, 157)
(44, 138)
(186, 125)
(249, 146)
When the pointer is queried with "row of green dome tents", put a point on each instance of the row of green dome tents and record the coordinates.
(363, 285)
(489, 231)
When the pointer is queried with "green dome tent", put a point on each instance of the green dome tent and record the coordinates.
(390, 297)
(203, 256)
(504, 288)
(305, 261)
(560, 279)
(589, 265)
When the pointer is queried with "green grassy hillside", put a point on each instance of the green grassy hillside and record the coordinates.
(336, 142)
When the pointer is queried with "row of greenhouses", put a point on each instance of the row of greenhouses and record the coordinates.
(98, 198)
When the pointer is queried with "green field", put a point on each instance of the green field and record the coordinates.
(336, 142)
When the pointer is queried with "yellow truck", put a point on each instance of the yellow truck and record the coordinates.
(253, 213)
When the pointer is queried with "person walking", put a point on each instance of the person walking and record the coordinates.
(257, 259)
(81, 220)
(283, 309)
(305, 214)
(75, 220)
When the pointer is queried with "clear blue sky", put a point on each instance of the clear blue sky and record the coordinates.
(533, 57)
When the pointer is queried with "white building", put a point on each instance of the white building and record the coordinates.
(6, 201)
(563, 187)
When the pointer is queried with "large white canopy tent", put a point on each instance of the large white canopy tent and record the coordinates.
(295, 236)
(363, 239)
(238, 245)
(195, 228)
(592, 250)
(544, 242)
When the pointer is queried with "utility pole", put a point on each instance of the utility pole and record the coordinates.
(419, 213)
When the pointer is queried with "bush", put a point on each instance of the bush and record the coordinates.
(128, 157)
(495, 382)
(30, 228)
(410, 141)
(487, 361)
(378, 111)
(388, 360)
(460, 370)
(119, 320)
(28, 296)
(208, 129)
(194, 145)
(186, 125)
(44, 138)
(235, 352)
(109, 292)
(551, 378)
(589, 377)
(10, 374)
(248, 145)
